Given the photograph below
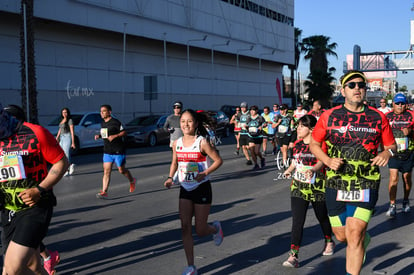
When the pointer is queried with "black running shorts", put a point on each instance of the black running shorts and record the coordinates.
(27, 227)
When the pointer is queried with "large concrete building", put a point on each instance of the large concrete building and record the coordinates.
(141, 55)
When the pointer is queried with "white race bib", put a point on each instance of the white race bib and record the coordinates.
(282, 129)
(353, 196)
(11, 168)
(302, 174)
(187, 172)
(402, 144)
(104, 132)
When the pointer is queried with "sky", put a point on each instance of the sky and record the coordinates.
(374, 25)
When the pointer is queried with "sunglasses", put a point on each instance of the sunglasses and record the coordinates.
(352, 85)
(399, 103)
(176, 107)
(382, 102)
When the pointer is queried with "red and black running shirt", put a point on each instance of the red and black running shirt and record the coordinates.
(37, 147)
(355, 138)
(405, 144)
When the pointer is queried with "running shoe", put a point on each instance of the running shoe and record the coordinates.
(406, 206)
(237, 152)
(367, 240)
(102, 195)
(132, 186)
(329, 248)
(71, 169)
(218, 237)
(256, 167)
(392, 211)
(50, 264)
(263, 162)
(190, 270)
(249, 162)
(292, 261)
(66, 174)
(263, 154)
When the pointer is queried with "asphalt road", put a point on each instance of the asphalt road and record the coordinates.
(139, 233)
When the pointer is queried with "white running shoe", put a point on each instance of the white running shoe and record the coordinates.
(406, 206)
(71, 169)
(392, 211)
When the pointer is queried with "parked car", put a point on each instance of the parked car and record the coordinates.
(86, 126)
(223, 127)
(229, 110)
(147, 130)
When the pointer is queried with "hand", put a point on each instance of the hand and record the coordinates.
(287, 174)
(168, 183)
(73, 146)
(335, 163)
(406, 131)
(30, 196)
(200, 176)
(97, 137)
(381, 159)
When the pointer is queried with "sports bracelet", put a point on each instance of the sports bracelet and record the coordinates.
(170, 178)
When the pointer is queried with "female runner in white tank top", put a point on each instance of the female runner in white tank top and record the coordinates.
(190, 162)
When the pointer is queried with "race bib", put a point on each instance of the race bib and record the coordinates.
(353, 196)
(11, 168)
(253, 130)
(104, 132)
(282, 129)
(187, 172)
(302, 174)
(402, 144)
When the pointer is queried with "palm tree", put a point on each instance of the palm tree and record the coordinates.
(293, 68)
(316, 49)
(28, 4)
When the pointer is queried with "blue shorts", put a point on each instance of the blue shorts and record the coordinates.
(118, 159)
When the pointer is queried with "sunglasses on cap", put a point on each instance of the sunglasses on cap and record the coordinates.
(352, 85)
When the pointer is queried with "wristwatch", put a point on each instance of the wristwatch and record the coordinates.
(391, 152)
(41, 190)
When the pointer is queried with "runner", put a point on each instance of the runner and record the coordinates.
(383, 106)
(308, 186)
(190, 161)
(50, 258)
(243, 116)
(27, 193)
(299, 112)
(112, 133)
(172, 124)
(353, 132)
(402, 123)
(316, 109)
(237, 128)
(255, 125)
(268, 131)
(284, 123)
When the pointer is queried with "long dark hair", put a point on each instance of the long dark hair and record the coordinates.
(203, 120)
(66, 123)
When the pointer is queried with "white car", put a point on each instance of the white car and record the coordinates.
(86, 125)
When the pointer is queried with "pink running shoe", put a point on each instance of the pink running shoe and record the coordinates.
(132, 185)
(50, 264)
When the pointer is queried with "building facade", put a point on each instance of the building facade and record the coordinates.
(142, 55)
